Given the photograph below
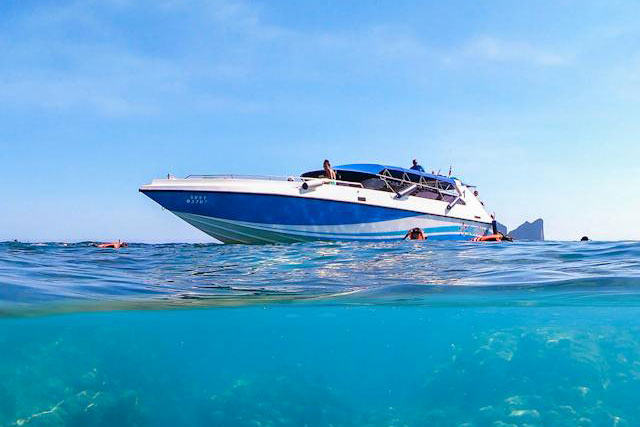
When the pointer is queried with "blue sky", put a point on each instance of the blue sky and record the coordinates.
(538, 103)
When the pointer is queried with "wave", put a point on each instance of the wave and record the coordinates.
(41, 275)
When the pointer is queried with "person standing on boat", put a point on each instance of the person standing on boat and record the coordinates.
(416, 166)
(329, 173)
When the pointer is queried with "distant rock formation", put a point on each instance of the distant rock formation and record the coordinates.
(529, 231)
(502, 228)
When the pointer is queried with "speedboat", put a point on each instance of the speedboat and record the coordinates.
(365, 202)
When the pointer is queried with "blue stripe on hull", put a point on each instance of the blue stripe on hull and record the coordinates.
(273, 209)
(276, 209)
(262, 218)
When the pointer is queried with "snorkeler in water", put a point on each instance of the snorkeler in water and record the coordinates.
(415, 234)
(112, 245)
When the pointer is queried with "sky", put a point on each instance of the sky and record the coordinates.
(536, 103)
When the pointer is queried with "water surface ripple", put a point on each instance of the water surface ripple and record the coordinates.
(432, 273)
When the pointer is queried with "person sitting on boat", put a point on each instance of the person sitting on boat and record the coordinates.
(415, 234)
(329, 173)
(416, 166)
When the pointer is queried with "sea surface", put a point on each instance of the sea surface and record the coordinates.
(320, 334)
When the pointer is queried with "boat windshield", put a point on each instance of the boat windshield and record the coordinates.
(394, 179)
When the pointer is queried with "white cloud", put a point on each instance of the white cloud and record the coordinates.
(493, 49)
(74, 57)
(93, 68)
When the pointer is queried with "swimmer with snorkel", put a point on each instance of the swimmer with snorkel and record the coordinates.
(415, 234)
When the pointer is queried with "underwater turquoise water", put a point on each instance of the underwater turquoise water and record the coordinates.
(321, 334)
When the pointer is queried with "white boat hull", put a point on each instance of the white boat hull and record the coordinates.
(267, 211)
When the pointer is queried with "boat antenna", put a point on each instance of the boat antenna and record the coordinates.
(449, 170)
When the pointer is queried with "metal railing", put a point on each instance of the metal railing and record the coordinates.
(233, 176)
(276, 178)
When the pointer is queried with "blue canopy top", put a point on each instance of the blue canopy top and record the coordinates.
(377, 169)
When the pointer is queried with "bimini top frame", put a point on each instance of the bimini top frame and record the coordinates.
(399, 179)
(378, 169)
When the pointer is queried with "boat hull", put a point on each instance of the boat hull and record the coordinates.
(250, 218)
